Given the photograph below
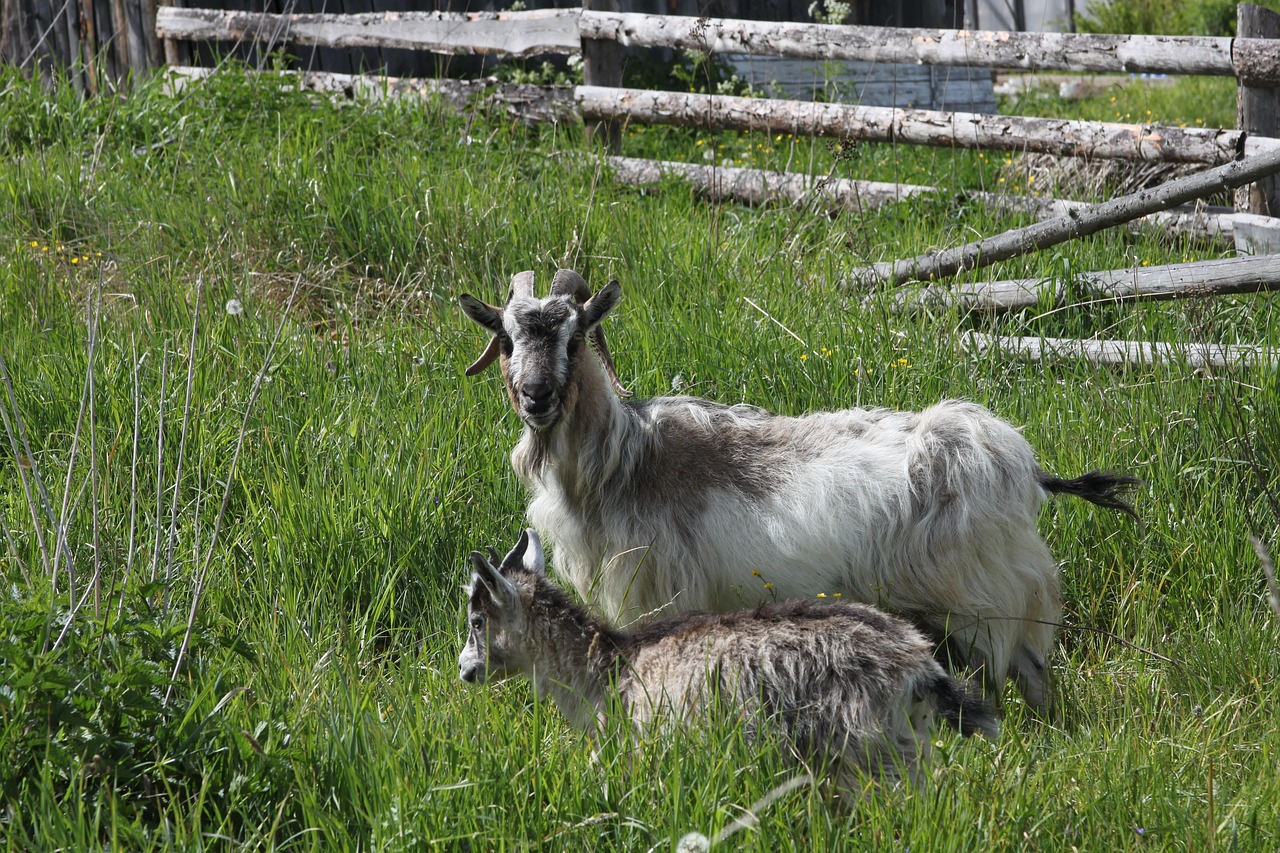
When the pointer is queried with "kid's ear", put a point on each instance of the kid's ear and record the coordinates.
(515, 557)
(501, 590)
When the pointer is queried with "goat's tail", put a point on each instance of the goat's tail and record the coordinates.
(962, 707)
(1103, 488)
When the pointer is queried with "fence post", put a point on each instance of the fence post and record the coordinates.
(1258, 111)
(602, 66)
(175, 52)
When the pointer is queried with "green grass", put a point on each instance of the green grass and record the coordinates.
(317, 704)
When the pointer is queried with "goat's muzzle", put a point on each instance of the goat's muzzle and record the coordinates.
(539, 404)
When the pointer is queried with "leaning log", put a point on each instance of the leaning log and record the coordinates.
(1126, 353)
(1132, 54)
(1075, 224)
(515, 34)
(756, 187)
(849, 122)
(1169, 281)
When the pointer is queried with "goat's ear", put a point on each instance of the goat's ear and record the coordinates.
(534, 559)
(502, 591)
(596, 308)
(483, 313)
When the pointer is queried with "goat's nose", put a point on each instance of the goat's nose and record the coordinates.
(468, 674)
(538, 393)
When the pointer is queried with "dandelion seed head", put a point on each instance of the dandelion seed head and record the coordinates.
(694, 842)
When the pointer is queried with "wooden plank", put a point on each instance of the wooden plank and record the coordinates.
(1075, 224)
(1169, 281)
(517, 34)
(1154, 143)
(1126, 353)
(1009, 50)
(873, 84)
(1256, 235)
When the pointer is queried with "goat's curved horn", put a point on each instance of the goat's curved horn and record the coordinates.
(486, 358)
(602, 350)
(569, 283)
(521, 285)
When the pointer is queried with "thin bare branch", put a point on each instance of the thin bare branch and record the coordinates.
(182, 442)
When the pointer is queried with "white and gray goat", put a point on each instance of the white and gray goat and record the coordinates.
(850, 687)
(682, 503)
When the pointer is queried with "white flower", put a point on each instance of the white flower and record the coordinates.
(694, 842)
(234, 308)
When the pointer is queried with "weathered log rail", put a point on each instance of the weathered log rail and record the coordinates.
(1256, 61)
(1060, 137)
(755, 187)
(1194, 279)
(1200, 356)
(513, 34)
(1253, 60)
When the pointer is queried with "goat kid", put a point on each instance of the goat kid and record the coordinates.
(672, 502)
(847, 685)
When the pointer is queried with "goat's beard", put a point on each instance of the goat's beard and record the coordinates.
(538, 446)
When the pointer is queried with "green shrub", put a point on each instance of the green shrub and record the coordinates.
(1163, 17)
(88, 700)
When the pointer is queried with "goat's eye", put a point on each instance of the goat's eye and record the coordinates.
(477, 621)
(505, 342)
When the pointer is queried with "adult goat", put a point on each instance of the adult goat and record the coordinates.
(846, 684)
(685, 503)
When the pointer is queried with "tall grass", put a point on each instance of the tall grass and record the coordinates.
(234, 366)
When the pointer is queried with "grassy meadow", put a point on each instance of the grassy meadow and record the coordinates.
(241, 471)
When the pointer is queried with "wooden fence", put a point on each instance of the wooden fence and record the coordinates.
(1252, 58)
(1254, 62)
